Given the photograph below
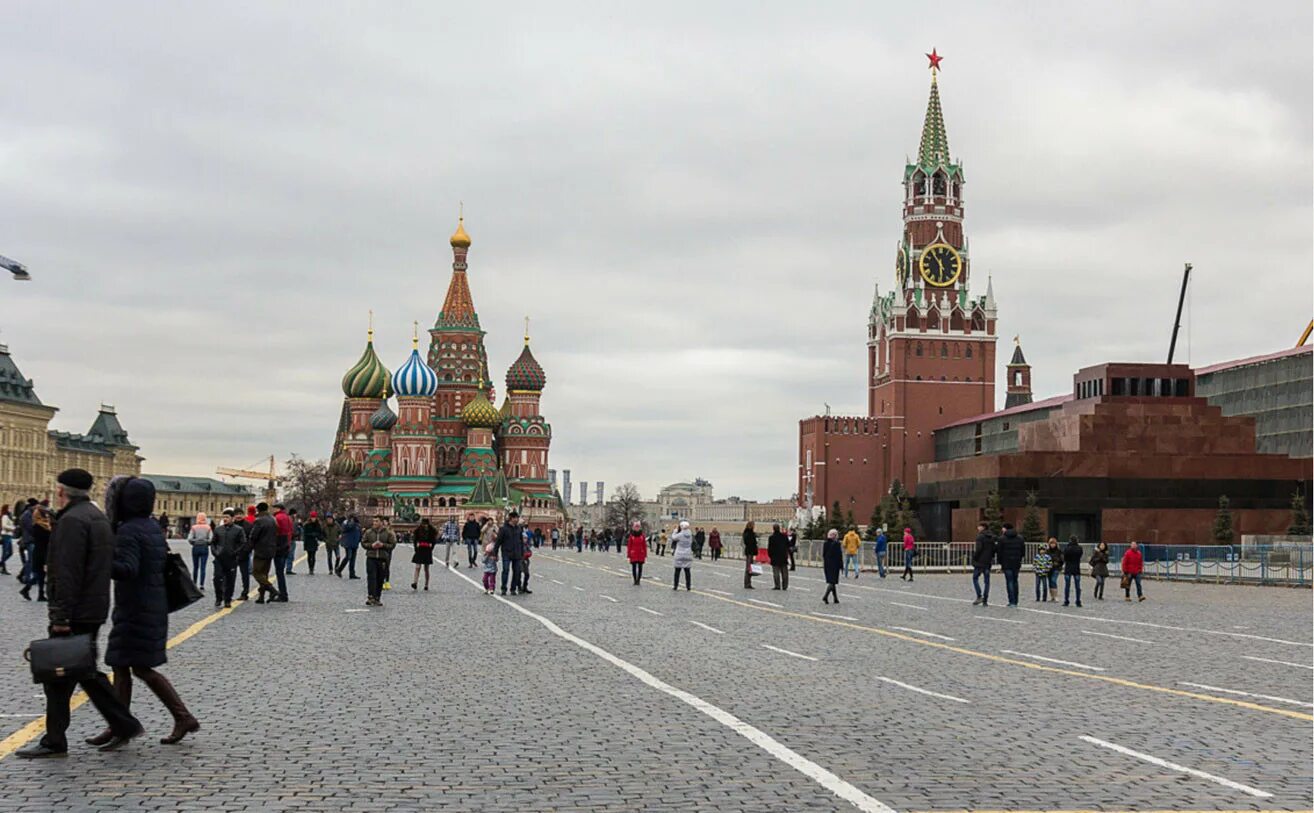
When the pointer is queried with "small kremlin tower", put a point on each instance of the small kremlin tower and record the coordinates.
(1019, 378)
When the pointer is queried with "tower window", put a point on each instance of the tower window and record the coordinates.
(968, 351)
(919, 349)
(1017, 379)
(944, 351)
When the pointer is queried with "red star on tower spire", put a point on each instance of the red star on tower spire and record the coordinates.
(935, 60)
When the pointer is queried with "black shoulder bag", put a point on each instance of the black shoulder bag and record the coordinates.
(178, 583)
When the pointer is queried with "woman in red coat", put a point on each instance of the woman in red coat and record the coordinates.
(1132, 565)
(636, 545)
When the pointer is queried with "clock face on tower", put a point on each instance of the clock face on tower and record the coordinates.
(940, 265)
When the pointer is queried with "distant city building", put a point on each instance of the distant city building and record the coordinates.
(552, 478)
(677, 500)
(565, 485)
(598, 490)
(32, 454)
(182, 498)
(584, 493)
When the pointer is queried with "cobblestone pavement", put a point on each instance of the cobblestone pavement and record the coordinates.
(616, 697)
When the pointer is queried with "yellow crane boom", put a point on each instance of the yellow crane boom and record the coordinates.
(270, 477)
(1304, 337)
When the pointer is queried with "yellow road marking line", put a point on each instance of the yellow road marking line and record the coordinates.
(1117, 681)
(37, 727)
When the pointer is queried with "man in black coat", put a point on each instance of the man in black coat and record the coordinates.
(510, 548)
(1072, 568)
(228, 543)
(1010, 549)
(81, 552)
(983, 556)
(470, 535)
(778, 552)
(264, 544)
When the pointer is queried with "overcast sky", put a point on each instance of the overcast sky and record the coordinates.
(692, 201)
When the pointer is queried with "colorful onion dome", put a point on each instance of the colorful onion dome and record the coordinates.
(344, 466)
(383, 419)
(525, 373)
(415, 378)
(459, 238)
(479, 412)
(505, 411)
(367, 378)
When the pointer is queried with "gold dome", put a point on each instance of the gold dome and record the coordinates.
(459, 238)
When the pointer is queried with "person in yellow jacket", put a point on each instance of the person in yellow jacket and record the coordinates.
(852, 544)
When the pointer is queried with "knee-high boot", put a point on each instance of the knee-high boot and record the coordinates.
(122, 690)
(183, 721)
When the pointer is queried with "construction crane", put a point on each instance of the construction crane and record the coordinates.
(271, 479)
(1177, 322)
(1304, 337)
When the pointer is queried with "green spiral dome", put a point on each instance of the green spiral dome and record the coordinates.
(368, 378)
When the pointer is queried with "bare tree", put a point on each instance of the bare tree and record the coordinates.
(625, 506)
(307, 486)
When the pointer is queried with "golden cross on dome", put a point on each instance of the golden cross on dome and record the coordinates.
(1017, 340)
(526, 330)
(415, 335)
(371, 330)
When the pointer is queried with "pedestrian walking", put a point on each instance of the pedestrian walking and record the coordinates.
(661, 544)
(1099, 568)
(283, 530)
(350, 539)
(983, 556)
(332, 550)
(882, 550)
(1041, 564)
(636, 550)
(227, 545)
(1133, 563)
(312, 533)
(793, 547)
(852, 546)
(750, 553)
(264, 546)
(714, 542)
(490, 564)
(1072, 569)
(909, 553)
(246, 557)
(682, 552)
(451, 534)
(1055, 567)
(778, 553)
(470, 535)
(699, 539)
(510, 549)
(7, 530)
(379, 541)
(140, 630)
(524, 567)
(556, 537)
(425, 537)
(38, 528)
(1010, 550)
(81, 557)
(832, 558)
(289, 568)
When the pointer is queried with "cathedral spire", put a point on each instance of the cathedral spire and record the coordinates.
(934, 149)
(458, 307)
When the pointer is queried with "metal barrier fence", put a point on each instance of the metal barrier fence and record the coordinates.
(1285, 565)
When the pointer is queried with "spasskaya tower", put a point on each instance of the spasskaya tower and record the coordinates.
(930, 343)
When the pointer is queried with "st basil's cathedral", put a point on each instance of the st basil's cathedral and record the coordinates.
(446, 450)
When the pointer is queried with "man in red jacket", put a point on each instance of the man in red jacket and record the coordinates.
(1132, 565)
(282, 549)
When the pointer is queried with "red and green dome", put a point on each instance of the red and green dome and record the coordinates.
(525, 374)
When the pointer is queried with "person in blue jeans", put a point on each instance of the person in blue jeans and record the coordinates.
(199, 537)
(1010, 550)
(882, 548)
(983, 556)
(1071, 569)
(1055, 566)
(350, 541)
(1041, 565)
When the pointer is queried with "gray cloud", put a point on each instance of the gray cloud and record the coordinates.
(692, 200)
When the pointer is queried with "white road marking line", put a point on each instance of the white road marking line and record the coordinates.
(1163, 763)
(654, 612)
(1004, 620)
(802, 589)
(920, 691)
(1284, 663)
(912, 606)
(840, 617)
(357, 610)
(719, 573)
(709, 629)
(787, 652)
(777, 749)
(1247, 694)
(1084, 617)
(554, 581)
(923, 632)
(25, 716)
(577, 587)
(718, 592)
(767, 603)
(608, 598)
(1053, 660)
(1119, 637)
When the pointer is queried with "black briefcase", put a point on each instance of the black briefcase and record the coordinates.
(66, 657)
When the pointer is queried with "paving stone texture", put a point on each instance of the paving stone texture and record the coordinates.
(452, 700)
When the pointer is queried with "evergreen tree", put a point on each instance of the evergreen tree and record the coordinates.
(1300, 525)
(1032, 532)
(874, 524)
(849, 520)
(836, 518)
(994, 516)
(1223, 533)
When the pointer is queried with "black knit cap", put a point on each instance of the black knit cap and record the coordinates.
(75, 478)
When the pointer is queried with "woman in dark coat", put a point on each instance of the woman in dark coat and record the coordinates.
(141, 605)
(1099, 568)
(832, 558)
(750, 553)
(425, 537)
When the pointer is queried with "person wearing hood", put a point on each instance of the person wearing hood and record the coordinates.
(983, 556)
(138, 639)
(682, 553)
(264, 543)
(81, 553)
(1072, 568)
(199, 537)
(636, 549)
(312, 533)
(350, 540)
(778, 553)
(1099, 568)
(229, 543)
(1010, 551)
(832, 558)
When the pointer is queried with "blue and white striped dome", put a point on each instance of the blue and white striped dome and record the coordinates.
(415, 378)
